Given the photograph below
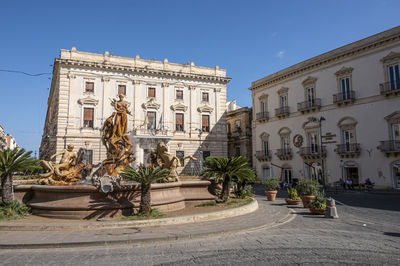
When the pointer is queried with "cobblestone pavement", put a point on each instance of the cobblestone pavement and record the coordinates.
(362, 235)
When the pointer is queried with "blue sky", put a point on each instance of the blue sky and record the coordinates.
(251, 39)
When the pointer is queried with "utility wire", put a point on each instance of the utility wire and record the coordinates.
(21, 72)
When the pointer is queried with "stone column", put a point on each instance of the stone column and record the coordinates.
(164, 113)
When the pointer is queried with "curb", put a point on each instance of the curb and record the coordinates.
(204, 217)
(289, 217)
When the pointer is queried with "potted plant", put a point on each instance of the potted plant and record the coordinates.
(318, 206)
(307, 188)
(293, 198)
(271, 188)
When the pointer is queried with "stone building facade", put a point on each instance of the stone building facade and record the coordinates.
(183, 105)
(335, 116)
(239, 132)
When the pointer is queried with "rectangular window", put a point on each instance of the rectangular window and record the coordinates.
(179, 122)
(228, 126)
(345, 88)
(396, 132)
(88, 117)
(151, 92)
(285, 143)
(205, 123)
(179, 95)
(264, 145)
(121, 89)
(310, 96)
(394, 77)
(237, 151)
(206, 154)
(151, 118)
(313, 142)
(180, 155)
(89, 86)
(88, 156)
(204, 96)
(237, 125)
(262, 106)
(283, 101)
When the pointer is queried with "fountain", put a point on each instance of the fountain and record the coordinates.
(73, 189)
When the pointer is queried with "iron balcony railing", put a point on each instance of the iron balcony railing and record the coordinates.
(263, 154)
(262, 115)
(348, 148)
(314, 150)
(390, 146)
(311, 104)
(281, 153)
(344, 97)
(388, 87)
(284, 110)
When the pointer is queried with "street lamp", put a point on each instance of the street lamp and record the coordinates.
(321, 148)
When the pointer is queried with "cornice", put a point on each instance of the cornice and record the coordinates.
(391, 56)
(179, 107)
(151, 104)
(205, 109)
(88, 100)
(344, 71)
(139, 70)
(341, 53)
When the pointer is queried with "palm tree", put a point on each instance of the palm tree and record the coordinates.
(16, 160)
(225, 169)
(145, 176)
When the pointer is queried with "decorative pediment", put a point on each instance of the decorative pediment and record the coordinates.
(264, 136)
(309, 81)
(263, 96)
(347, 122)
(205, 109)
(391, 56)
(151, 104)
(312, 122)
(344, 71)
(284, 131)
(88, 100)
(393, 117)
(179, 107)
(283, 90)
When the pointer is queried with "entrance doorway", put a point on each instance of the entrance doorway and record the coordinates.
(396, 174)
(266, 172)
(287, 175)
(352, 174)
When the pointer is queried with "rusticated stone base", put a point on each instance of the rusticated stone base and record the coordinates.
(86, 202)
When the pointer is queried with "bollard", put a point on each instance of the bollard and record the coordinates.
(331, 211)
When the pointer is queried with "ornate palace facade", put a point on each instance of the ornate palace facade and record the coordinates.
(183, 105)
(335, 116)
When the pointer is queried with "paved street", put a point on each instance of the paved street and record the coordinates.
(362, 235)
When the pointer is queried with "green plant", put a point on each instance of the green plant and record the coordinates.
(224, 170)
(272, 183)
(244, 193)
(16, 160)
(145, 176)
(13, 210)
(307, 187)
(242, 181)
(319, 201)
(292, 194)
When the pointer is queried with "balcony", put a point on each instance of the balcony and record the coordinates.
(264, 155)
(262, 116)
(309, 106)
(282, 112)
(344, 98)
(348, 150)
(390, 88)
(313, 152)
(390, 147)
(284, 154)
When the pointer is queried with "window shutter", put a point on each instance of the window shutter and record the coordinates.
(152, 92)
(179, 119)
(88, 114)
(205, 121)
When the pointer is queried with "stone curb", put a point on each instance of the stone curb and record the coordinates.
(204, 217)
(289, 216)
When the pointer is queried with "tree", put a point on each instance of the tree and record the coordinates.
(16, 160)
(225, 170)
(145, 176)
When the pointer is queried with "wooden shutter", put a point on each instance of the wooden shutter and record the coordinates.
(205, 121)
(151, 92)
(179, 119)
(88, 114)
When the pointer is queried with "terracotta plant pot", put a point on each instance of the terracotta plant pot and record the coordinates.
(317, 211)
(292, 202)
(271, 195)
(307, 199)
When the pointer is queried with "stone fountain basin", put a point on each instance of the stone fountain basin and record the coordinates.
(86, 202)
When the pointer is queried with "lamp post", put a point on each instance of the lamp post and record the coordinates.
(321, 149)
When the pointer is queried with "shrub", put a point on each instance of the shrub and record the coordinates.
(307, 187)
(13, 210)
(271, 184)
(292, 194)
(319, 201)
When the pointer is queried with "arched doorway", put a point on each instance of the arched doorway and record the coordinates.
(396, 173)
(351, 172)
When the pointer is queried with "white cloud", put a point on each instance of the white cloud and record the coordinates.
(280, 54)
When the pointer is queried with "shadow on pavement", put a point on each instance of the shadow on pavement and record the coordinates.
(391, 234)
